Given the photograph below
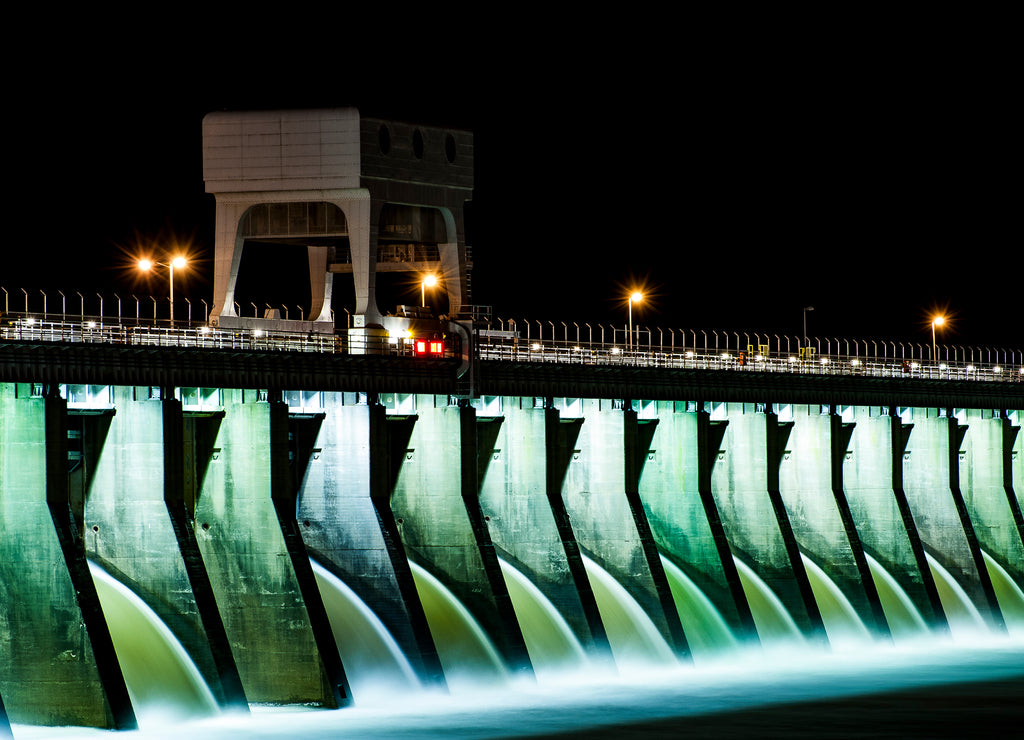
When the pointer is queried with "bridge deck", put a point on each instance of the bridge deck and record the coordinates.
(176, 366)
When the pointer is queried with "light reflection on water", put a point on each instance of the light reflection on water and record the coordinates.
(574, 701)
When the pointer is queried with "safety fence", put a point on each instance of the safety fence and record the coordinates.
(551, 342)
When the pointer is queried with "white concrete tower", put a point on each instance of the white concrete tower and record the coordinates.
(361, 195)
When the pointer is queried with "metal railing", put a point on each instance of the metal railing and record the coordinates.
(95, 331)
(537, 341)
(551, 342)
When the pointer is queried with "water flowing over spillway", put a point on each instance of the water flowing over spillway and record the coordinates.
(161, 679)
(434, 572)
(570, 693)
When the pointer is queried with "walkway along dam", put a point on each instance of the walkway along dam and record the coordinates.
(233, 527)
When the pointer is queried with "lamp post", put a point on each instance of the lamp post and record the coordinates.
(937, 321)
(634, 297)
(428, 282)
(176, 262)
(808, 308)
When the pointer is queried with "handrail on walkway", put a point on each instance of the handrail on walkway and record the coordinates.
(526, 341)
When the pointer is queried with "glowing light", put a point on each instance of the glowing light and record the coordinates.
(177, 262)
(429, 281)
(635, 297)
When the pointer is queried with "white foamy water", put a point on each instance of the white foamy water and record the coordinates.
(591, 698)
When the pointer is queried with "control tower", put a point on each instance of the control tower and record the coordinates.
(361, 195)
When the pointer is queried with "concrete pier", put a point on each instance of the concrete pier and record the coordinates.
(59, 662)
(435, 501)
(522, 466)
(342, 466)
(129, 481)
(675, 487)
(214, 505)
(810, 483)
(259, 572)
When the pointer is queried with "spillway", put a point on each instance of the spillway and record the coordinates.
(392, 566)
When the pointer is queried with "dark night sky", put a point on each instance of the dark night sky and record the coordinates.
(740, 176)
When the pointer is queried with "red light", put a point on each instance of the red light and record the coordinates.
(428, 347)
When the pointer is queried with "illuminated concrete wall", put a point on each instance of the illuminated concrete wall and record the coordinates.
(136, 526)
(872, 471)
(265, 589)
(343, 477)
(57, 657)
(437, 510)
(523, 464)
(601, 497)
(745, 484)
(680, 507)
(212, 505)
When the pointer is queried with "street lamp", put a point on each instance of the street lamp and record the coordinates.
(428, 282)
(937, 321)
(634, 297)
(808, 308)
(177, 262)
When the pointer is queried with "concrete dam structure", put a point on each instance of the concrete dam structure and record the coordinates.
(216, 548)
(253, 514)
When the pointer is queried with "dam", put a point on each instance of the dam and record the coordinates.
(217, 547)
(247, 515)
